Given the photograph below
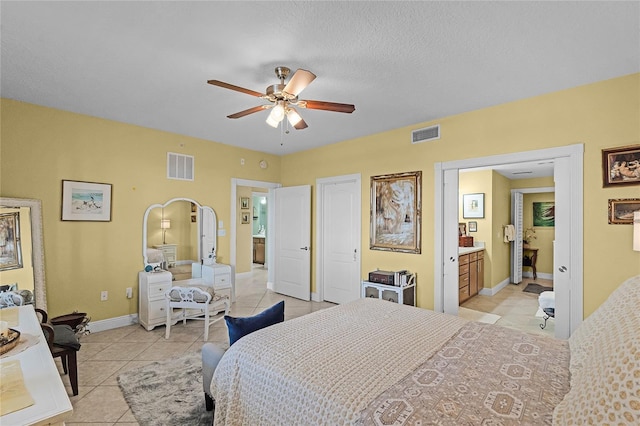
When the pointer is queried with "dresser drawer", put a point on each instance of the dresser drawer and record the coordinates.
(473, 256)
(158, 277)
(463, 260)
(222, 280)
(463, 281)
(464, 294)
(157, 291)
(464, 269)
(158, 310)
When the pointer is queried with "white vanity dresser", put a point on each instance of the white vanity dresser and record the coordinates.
(194, 226)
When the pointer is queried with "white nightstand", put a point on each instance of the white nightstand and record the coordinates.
(405, 295)
(169, 251)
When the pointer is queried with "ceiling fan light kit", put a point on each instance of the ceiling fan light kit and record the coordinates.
(283, 97)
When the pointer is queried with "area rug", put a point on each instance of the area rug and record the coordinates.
(536, 288)
(167, 392)
(472, 315)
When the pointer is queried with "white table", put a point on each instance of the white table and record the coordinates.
(41, 377)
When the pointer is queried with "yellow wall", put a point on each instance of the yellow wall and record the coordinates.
(601, 115)
(501, 215)
(244, 241)
(42, 146)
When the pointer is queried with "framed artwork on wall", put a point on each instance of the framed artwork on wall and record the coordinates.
(10, 247)
(395, 212)
(244, 203)
(621, 210)
(473, 206)
(544, 213)
(245, 217)
(86, 201)
(473, 226)
(621, 166)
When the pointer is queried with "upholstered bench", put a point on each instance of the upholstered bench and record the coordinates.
(202, 299)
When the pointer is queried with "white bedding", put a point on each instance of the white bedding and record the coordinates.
(313, 372)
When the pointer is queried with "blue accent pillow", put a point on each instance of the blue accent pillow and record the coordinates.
(239, 327)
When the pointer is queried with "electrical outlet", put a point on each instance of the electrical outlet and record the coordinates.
(104, 295)
(129, 292)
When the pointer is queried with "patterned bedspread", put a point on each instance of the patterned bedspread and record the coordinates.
(325, 367)
(484, 375)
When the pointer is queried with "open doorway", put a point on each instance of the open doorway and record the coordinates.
(568, 270)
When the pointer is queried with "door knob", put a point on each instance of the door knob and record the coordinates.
(562, 269)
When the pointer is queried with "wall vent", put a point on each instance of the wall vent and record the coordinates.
(180, 166)
(427, 134)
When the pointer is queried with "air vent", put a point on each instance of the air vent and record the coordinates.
(427, 134)
(179, 166)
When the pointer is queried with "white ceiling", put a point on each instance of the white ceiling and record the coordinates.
(400, 63)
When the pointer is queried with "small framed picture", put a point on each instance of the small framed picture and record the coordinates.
(245, 217)
(621, 166)
(473, 206)
(244, 203)
(473, 226)
(621, 211)
(86, 201)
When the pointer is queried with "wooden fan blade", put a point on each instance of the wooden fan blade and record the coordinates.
(327, 106)
(299, 80)
(301, 125)
(236, 88)
(247, 111)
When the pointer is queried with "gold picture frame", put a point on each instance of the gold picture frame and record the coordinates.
(621, 210)
(244, 203)
(396, 212)
(245, 217)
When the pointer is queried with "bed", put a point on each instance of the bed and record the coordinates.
(377, 362)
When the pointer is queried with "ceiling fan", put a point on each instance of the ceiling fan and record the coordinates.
(283, 98)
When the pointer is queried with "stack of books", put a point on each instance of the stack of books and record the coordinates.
(403, 278)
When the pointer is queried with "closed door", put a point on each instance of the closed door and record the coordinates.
(293, 241)
(339, 218)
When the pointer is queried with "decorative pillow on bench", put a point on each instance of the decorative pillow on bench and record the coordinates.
(239, 327)
(174, 294)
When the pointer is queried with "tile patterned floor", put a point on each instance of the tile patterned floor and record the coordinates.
(105, 355)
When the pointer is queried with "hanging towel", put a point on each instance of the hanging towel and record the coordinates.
(509, 233)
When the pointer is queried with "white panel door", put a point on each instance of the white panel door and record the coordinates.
(562, 248)
(292, 242)
(451, 294)
(340, 216)
(207, 231)
(516, 244)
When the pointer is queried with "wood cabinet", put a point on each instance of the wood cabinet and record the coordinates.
(258, 250)
(470, 275)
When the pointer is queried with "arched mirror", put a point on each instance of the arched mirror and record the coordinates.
(21, 249)
(180, 231)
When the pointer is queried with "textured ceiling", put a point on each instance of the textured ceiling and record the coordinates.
(400, 63)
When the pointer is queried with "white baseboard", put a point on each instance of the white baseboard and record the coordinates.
(494, 290)
(541, 275)
(111, 323)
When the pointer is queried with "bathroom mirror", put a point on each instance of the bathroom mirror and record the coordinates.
(30, 275)
(183, 225)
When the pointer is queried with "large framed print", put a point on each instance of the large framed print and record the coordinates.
(544, 213)
(10, 247)
(396, 212)
(621, 166)
(86, 201)
(473, 206)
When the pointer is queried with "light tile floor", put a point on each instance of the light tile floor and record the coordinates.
(517, 308)
(105, 355)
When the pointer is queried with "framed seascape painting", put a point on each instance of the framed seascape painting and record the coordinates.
(10, 248)
(621, 210)
(473, 206)
(86, 201)
(621, 166)
(396, 212)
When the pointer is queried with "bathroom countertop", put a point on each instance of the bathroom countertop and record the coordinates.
(467, 250)
(259, 236)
